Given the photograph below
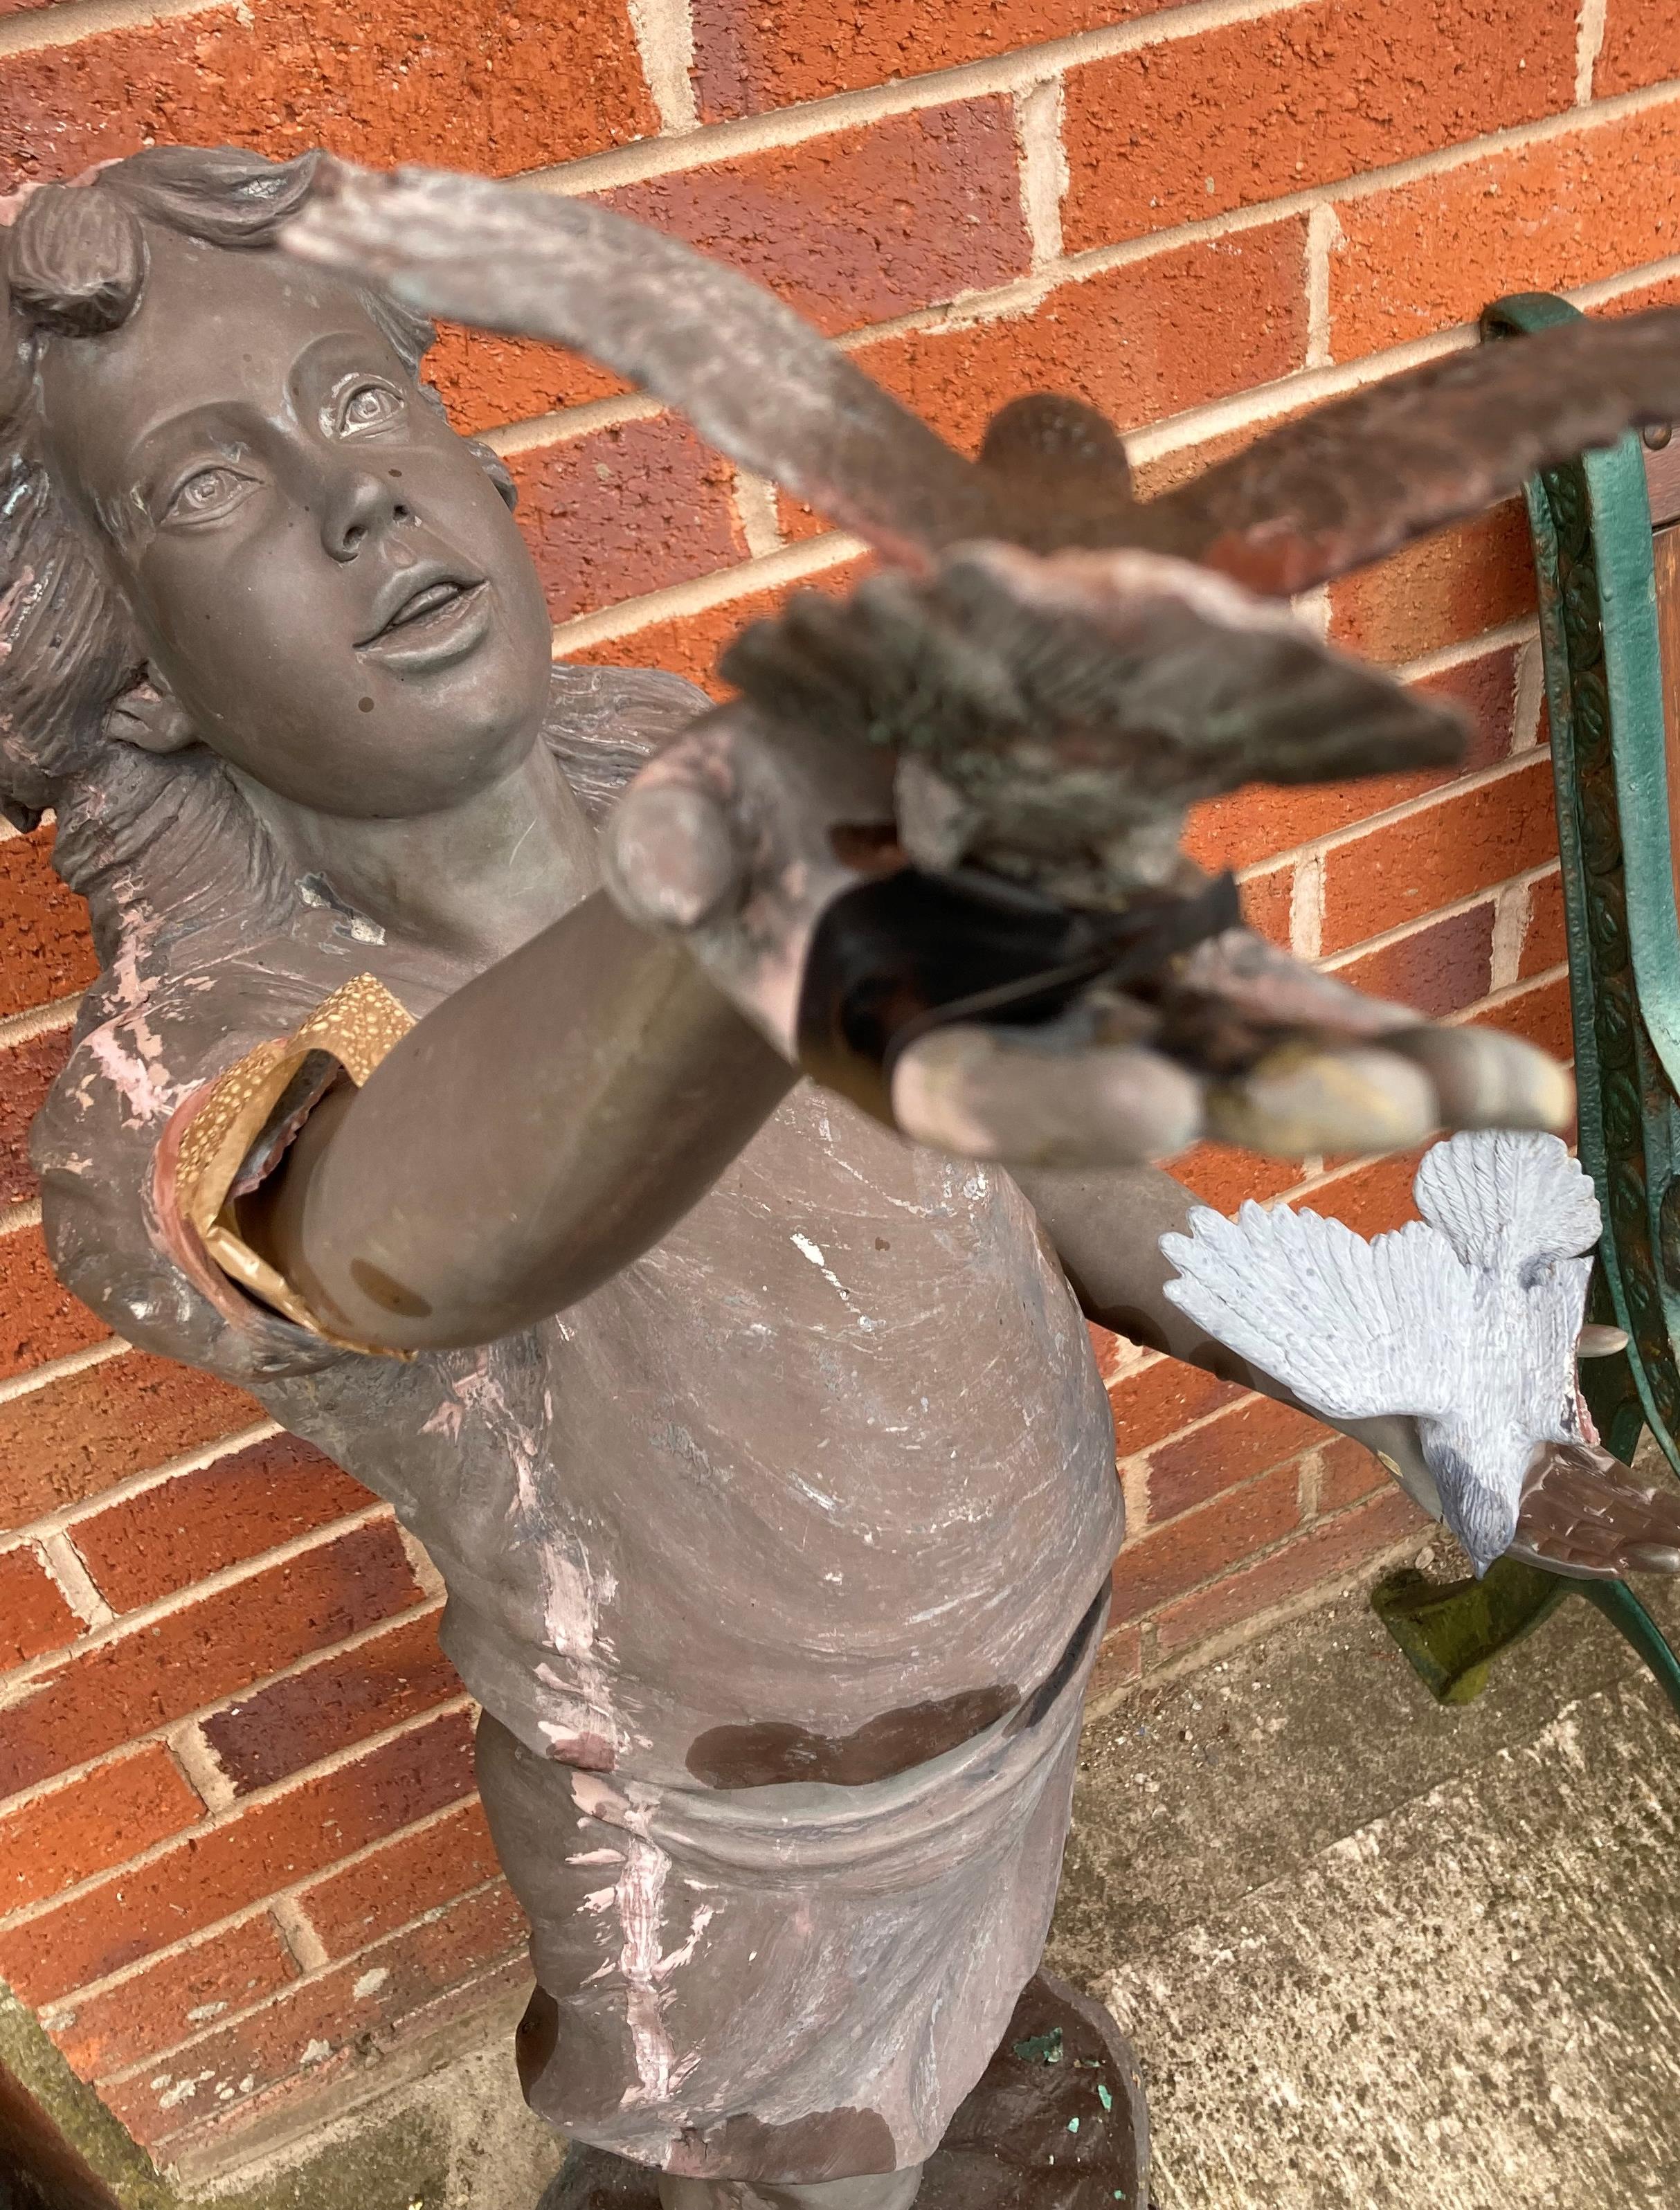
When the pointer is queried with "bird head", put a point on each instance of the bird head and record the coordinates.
(1480, 1479)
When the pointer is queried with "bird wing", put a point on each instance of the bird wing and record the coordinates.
(1508, 1198)
(1551, 1318)
(1353, 480)
(1356, 1329)
(754, 378)
(1192, 682)
(1586, 1514)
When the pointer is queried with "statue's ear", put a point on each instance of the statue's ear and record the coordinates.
(149, 715)
(496, 469)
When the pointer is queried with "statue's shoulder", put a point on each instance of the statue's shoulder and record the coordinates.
(603, 723)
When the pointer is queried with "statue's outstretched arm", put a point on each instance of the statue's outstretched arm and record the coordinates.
(542, 1127)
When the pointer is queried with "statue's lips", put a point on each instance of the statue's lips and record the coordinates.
(435, 625)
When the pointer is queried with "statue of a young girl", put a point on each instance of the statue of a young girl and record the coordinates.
(762, 1452)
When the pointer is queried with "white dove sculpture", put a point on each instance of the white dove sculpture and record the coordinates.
(1466, 1320)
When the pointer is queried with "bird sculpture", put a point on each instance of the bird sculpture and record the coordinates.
(1468, 1320)
(1061, 667)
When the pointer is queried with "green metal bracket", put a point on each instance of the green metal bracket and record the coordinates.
(1590, 521)
(1452, 1633)
(1590, 524)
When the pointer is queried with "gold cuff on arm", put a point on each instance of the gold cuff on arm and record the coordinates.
(240, 1130)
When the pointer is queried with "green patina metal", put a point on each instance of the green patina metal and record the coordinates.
(1590, 524)
(1590, 521)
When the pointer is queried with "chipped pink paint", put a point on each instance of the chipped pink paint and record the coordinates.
(137, 1072)
(638, 1895)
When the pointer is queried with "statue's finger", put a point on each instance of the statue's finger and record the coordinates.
(996, 1094)
(1485, 1079)
(672, 857)
(1299, 1100)
(1651, 1558)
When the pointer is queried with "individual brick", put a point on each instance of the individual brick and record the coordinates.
(1220, 1175)
(43, 925)
(1348, 1473)
(87, 1431)
(625, 512)
(689, 644)
(161, 1542)
(391, 1886)
(347, 1697)
(1640, 39)
(1118, 1663)
(39, 1320)
(1225, 1452)
(1372, 1196)
(1176, 132)
(295, 2101)
(1541, 1016)
(304, 2027)
(1431, 253)
(133, 1683)
(101, 1819)
(165, 2003)
(216, 1874)
(1330, 1550)
(34, 1617)
(1444, 590)
(1266, 819)
(862, 225)
(1436, 969)
(1545, 944)
(1268, 905)
(1464, 841)
(1663, 293)
(487, 89)
(1138, 343)
(751, 55)
(485, 379)
(1164, 1397)
(27, 1071)
(1162, 1563)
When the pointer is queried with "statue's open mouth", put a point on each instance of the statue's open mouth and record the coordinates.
(437, 619)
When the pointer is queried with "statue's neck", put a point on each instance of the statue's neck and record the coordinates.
(467, 884)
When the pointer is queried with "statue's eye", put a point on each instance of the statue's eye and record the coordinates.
(368, 407)
(205, 493)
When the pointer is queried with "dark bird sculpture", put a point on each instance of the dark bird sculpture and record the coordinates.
(1061, 668)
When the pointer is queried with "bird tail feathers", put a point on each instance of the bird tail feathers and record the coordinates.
(1508, 1197)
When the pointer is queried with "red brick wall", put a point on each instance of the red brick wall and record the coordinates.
(239, 1837)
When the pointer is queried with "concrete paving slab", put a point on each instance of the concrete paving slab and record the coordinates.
(1373, 1952)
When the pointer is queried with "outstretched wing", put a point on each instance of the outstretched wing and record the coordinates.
(755, 379)
(1355, 1329)
(1508, 1198)
(1355, 479)
(1586, 1514)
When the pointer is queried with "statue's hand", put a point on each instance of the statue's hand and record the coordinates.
(745, 836)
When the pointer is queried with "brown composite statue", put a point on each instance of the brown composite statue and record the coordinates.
(751, 1423)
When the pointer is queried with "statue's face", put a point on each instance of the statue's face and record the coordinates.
(326, 577)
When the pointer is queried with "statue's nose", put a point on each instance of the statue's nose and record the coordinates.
(359, 502)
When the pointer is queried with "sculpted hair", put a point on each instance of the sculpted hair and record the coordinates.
(73, 265)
